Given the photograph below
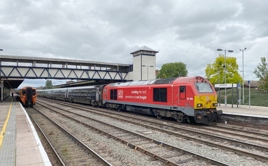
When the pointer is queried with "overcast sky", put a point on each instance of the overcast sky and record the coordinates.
(188, 31)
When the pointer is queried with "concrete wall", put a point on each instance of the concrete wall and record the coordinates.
(144, 67)
(245, 120)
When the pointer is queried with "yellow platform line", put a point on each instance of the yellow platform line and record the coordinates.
(5, 126)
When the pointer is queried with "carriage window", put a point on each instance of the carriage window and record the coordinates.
(23, 92)
(34, 92)
(160, 94)
(203, 87)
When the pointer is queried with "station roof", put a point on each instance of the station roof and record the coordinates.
(12, 83)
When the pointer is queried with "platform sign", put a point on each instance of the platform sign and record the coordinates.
(225, 85)
(248, 81)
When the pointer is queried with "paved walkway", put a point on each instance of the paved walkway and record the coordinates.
(244, 110)
(19, 143)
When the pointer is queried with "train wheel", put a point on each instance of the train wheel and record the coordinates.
(107, 105)
(180, 118)
(157, 114)
(118, 108)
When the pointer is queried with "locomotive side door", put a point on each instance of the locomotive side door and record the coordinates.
(182, 95)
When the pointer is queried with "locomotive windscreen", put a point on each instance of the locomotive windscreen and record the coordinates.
(203, 87)
(29, 94)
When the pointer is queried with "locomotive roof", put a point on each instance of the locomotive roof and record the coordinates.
(149, 82)
(157, 81)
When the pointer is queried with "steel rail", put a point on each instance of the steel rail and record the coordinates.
(97, 156)
(50, 144)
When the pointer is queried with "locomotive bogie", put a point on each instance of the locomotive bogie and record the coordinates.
(207, 116)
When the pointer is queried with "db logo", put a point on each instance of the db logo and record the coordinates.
(120, 94)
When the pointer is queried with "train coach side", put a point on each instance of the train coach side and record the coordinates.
(59, 94)
(88, 95)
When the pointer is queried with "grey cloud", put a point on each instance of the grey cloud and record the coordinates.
(187, 31)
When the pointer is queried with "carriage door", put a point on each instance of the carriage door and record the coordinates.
(66, 94)
(182, 95)
(97, 94)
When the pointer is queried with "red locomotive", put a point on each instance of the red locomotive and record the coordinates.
(184, 98)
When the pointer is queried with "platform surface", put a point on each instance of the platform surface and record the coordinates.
(19, 143)
(244, 110)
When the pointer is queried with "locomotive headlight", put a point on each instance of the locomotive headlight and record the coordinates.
(215, 104)
(199, 105)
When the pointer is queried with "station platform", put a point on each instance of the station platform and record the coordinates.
(244, 110)
(19, 142)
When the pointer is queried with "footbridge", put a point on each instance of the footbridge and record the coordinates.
(14, 69)
(51, 68)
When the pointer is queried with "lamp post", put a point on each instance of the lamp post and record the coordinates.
(225, 98)
(243, 70)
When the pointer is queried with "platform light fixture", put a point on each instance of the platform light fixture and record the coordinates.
(225, 98)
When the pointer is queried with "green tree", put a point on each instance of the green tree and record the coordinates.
(215, 72)
(48, 85)
(261, 73)
(264, 83)
(171, 70)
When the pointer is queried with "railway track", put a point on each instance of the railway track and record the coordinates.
(164, 152)
(226, 130)
(232, 131)
(254, 131)
(53, 155)
(68, 149)
(237, 145)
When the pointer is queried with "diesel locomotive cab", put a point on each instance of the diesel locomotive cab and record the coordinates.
(28, 96)
(205, 103)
